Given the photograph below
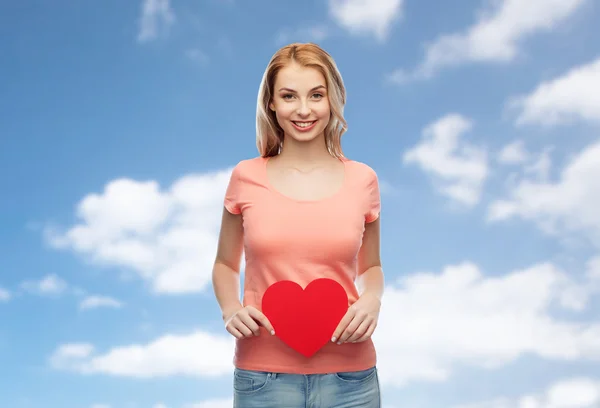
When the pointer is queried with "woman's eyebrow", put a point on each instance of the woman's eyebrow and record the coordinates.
(313, 89)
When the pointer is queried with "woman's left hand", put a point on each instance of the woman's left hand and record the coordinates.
(360, 320)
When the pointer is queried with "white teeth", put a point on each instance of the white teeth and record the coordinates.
(304, 124)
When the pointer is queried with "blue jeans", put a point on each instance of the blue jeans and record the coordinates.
(257, 389)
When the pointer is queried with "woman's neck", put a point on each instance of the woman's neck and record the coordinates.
(305, 153)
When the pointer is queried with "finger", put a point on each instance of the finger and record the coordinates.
(228, 321)
(350, 329)
(368, 334)
(343, 324)
(234, 332)
(249, 323)
(258, 315)
(360, 331)
(239, 324)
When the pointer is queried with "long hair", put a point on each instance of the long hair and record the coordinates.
(269, 135)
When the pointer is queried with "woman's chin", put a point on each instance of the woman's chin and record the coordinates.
(309, 136)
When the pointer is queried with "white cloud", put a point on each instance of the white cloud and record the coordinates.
(494, 37)
(50, 285)
(387, 188)
(168, 237)
(513, 153)
(198, 56)
(4, 295)
(366, 17)
(68, 355)
(195, 354)
(455, 318)
(538, 166)
(461, 317)
(157, 17)
(576, 296)
(568, 205)
(458, 168)
(214, 403)
(93, 302)
(570, 97)
(315, 33)
(593, 269)
(577, 392)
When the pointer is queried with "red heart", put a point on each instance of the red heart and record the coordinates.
(305, 319)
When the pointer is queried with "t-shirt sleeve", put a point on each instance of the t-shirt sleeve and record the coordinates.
(374, 198)
(232, 194)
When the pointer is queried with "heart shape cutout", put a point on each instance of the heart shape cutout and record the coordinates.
(305, 319)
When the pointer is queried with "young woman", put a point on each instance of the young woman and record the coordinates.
(301, 211)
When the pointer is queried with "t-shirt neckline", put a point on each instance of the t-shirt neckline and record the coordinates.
(273, 190)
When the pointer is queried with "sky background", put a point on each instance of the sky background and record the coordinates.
(119, 125)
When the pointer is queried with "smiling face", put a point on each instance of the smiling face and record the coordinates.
(300, 102)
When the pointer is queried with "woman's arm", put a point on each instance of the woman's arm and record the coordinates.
(240, 321)
(226, 270)
(370, 274)
(360, 321)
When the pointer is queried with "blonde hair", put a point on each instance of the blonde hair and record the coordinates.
(269, 135)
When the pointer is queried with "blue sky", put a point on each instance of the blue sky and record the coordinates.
(120, 122)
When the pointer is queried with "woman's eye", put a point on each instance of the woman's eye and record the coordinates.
(290, 96)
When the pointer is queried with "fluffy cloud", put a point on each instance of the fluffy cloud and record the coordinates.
(432, 322)
(167, 237)
(513, 153)
(198, 56)
(565, 206)
(457, 168)
(315, 33)
(593, 269)
(215, 403)
(94, 302)
(494, 37)
(4, 295)
(371, 17)
(195, 354)
(157, 17)
(564, 99)
(50, 285)
(571, 393)
(212, 403)
(69, 355)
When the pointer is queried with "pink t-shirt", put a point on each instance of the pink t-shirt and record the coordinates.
(301, 240)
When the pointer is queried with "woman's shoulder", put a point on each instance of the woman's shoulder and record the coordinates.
(249, 166)
(359, 168)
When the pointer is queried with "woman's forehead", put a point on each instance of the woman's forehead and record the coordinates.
(298, 77)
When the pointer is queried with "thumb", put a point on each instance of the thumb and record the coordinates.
(258, 315)
(342, 325)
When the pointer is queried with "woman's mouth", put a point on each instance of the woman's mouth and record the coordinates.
(304, 126)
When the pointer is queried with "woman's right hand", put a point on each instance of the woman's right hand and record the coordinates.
(245, 322)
